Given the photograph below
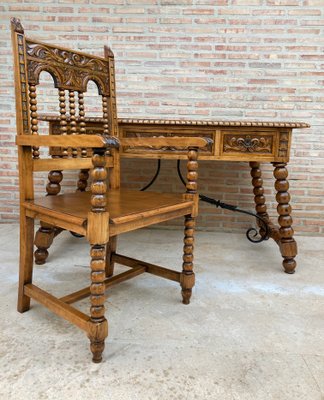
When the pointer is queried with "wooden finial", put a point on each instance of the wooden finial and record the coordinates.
(16, 25)
(108, 51)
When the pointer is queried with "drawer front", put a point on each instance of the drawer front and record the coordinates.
(247, 143)
(143, 132)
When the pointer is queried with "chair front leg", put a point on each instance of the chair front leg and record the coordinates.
(98, 236)
(98, 323)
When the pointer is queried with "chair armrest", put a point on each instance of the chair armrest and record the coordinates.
(185, 141)
(94, 141)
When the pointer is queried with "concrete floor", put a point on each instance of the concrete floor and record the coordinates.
(251, 331)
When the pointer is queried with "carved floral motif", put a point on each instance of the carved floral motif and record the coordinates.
(207, 148)
(247, 144)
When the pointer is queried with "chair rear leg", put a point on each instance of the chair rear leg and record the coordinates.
(187, 279)
(110, 250)
(43, 240)
(26, 260)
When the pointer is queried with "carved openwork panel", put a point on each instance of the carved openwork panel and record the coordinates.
(248, 143)
(70, 70)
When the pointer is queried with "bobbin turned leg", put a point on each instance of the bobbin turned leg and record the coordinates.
(98, 236)
(259, 199)
(287, 244)
(46, 233)
(98, 323)
(43, 240)
(187, 278)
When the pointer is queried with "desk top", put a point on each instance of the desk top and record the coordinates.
(252, 124)
(180, 122)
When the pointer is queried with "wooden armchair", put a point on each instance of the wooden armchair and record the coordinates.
(106, 210)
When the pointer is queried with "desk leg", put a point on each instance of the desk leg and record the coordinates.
(259, 199)
(287, 244)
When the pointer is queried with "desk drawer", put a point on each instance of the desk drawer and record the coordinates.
(141, 132)
(247, 143)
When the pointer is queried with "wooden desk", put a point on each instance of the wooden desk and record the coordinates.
(253, 142)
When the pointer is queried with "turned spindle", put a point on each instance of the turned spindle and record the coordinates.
(82, 120)
(73, 123)
(83, 180)
(63, 118)
(84, 173)
(33, 116)
(53, 187)
(105, 115)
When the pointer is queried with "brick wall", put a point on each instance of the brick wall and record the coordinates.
(202, 59)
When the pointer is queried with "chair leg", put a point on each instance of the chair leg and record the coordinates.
(98, 329)
(43, 240)
(110, 250)
(187, 279)
(26, 260)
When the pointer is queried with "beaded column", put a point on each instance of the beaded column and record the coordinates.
(287, 244)
(73, 123)
(187, 279)
(84, 173)
(33, 116)
(97, 231)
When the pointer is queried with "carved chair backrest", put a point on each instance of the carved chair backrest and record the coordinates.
(71, 71)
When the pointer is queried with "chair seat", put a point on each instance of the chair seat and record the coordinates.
(123, 205)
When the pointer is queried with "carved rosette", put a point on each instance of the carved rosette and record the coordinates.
(247, 144)
(70, 70)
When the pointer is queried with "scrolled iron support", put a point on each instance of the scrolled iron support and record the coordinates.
(251, 233)
(157, 172)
